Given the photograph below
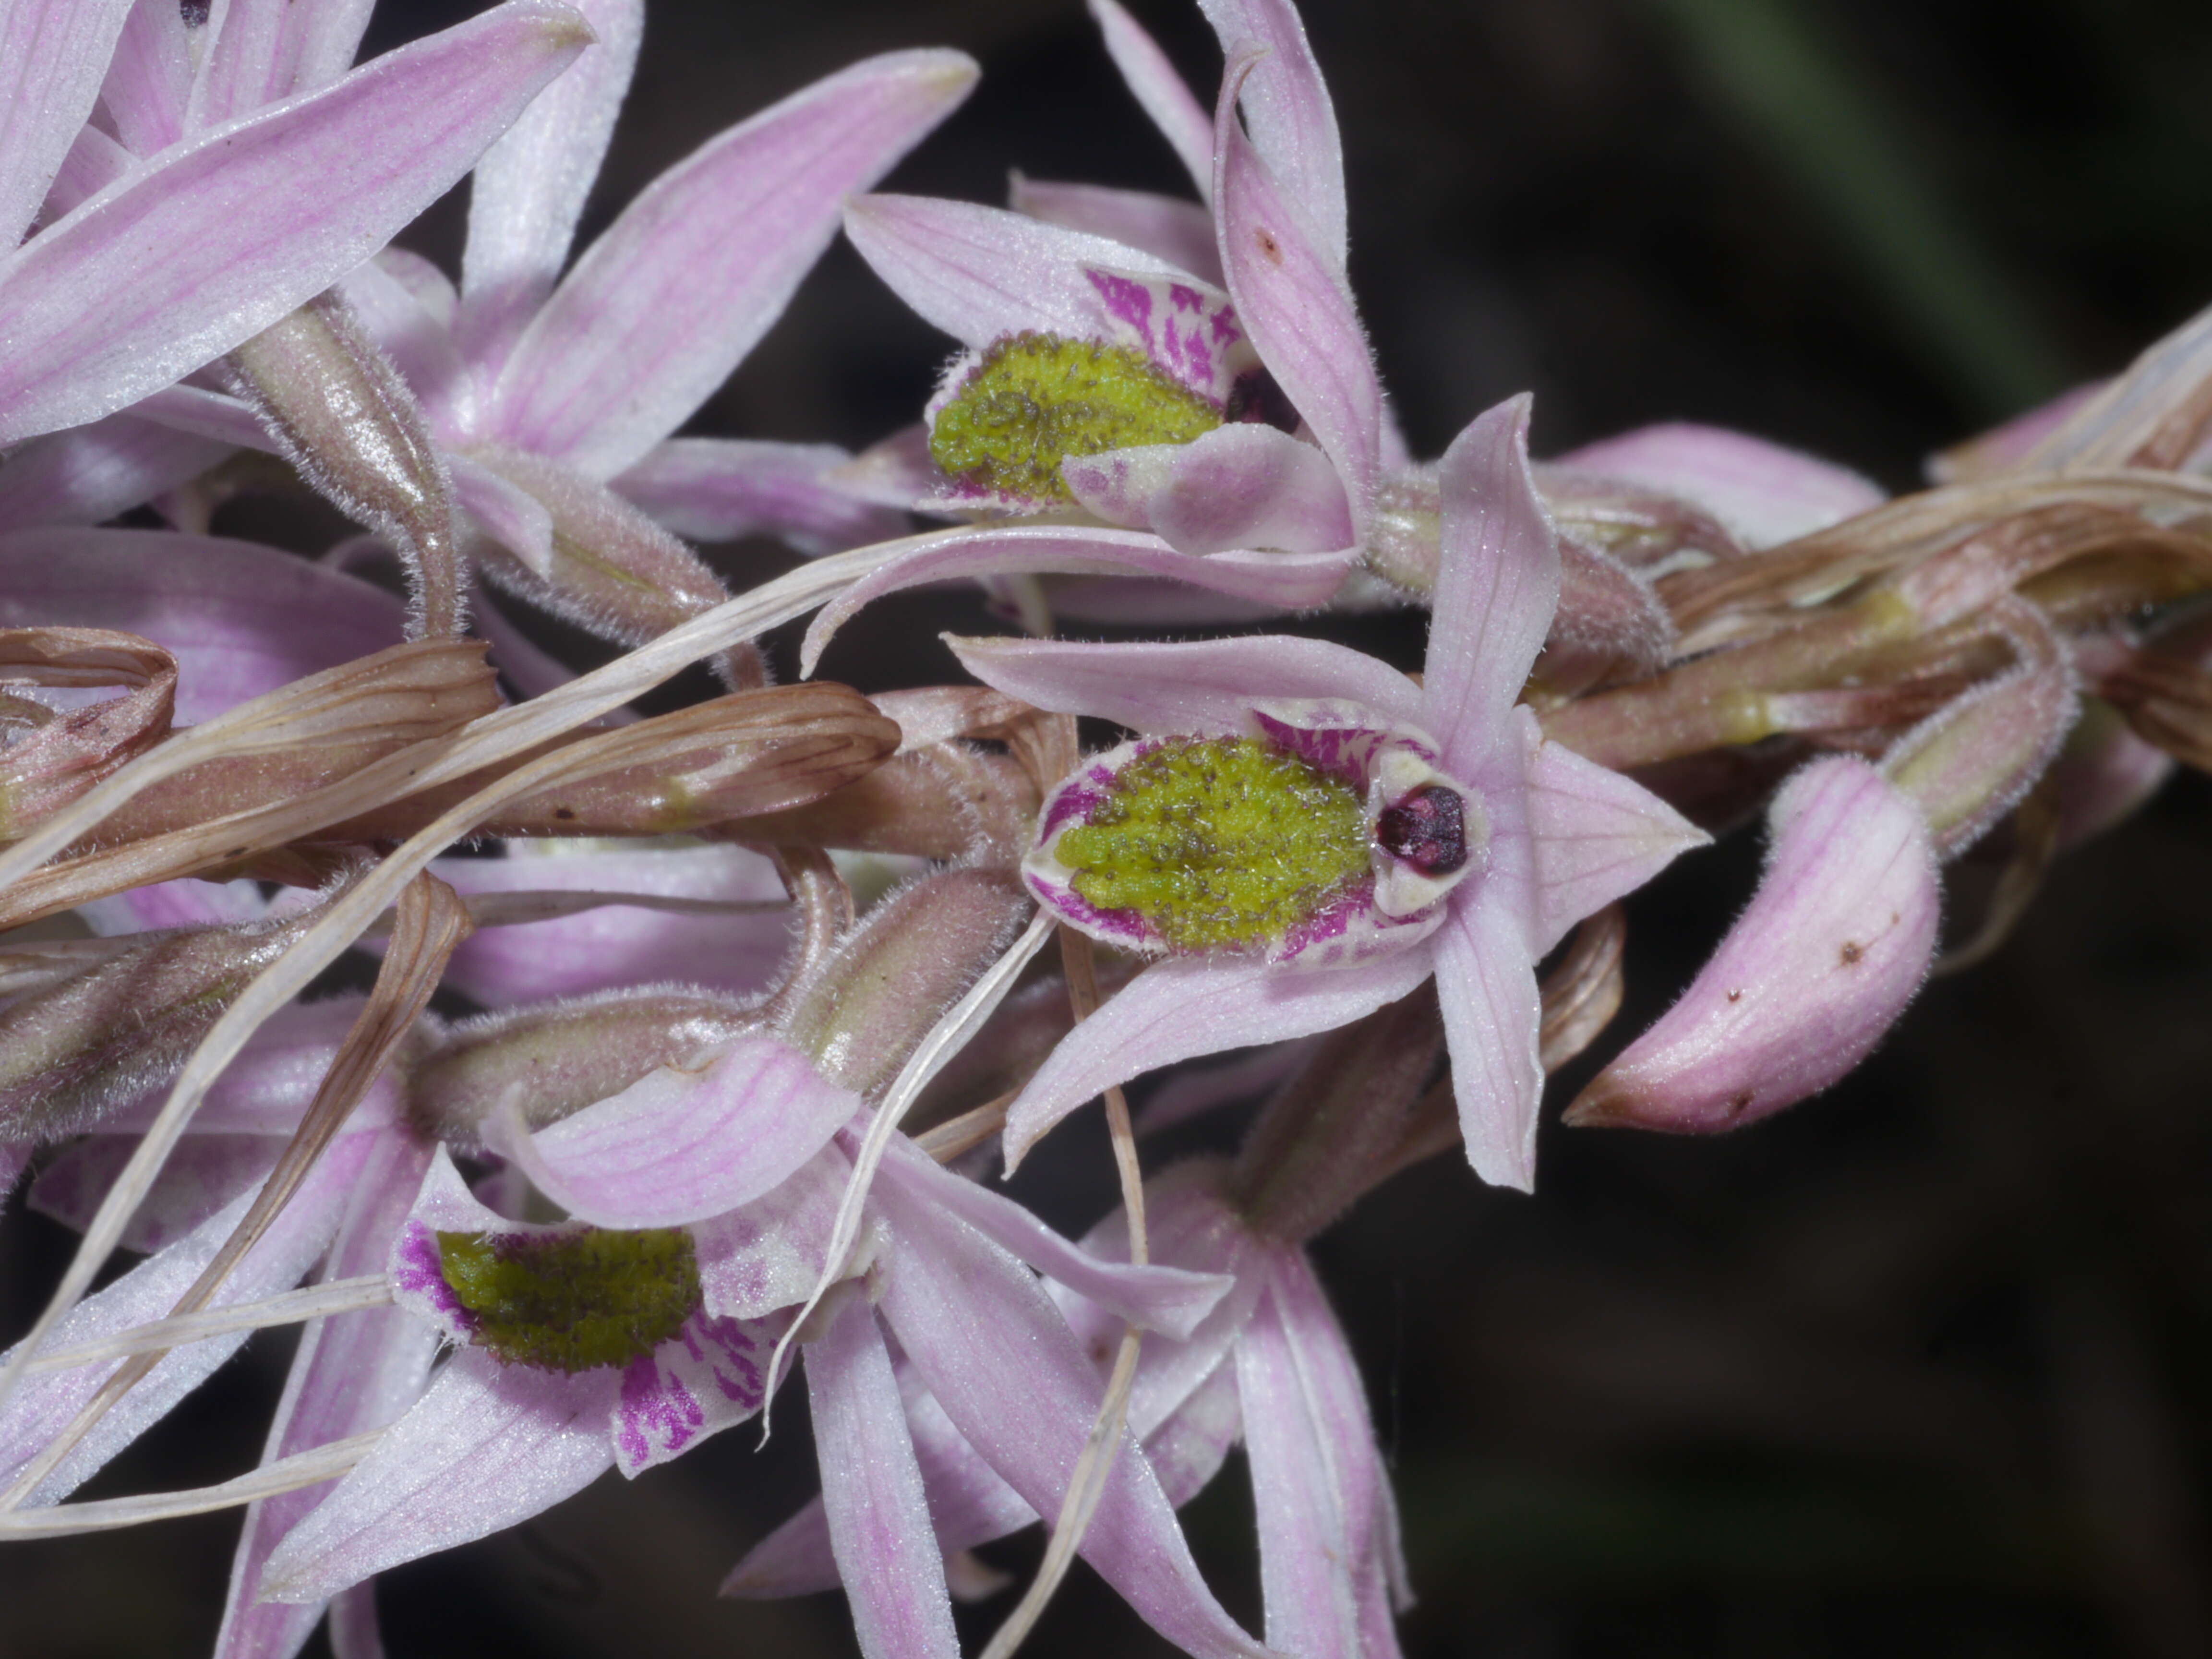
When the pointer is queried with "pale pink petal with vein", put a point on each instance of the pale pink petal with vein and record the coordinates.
(1166, 226)
(1599, 836)
(266, 50)
(1761, 492)
(1287, 104)
(93, 472)
(1487, 984)
(1181, 119)
(53, 57)
(1243, 485)
(717, 490)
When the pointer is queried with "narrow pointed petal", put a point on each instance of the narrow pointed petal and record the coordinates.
(267, 50)
(351, 1375)
(1197, 1090)
(718, 489)
(45, 1403)
(613, 945)
(149, 79)
(1166, 1299)
(1290, 581)
(1834, 945)
(1289, 286)
(982, 272)
(489, 1445)
(1599, 836)
(1166, 226)
(53, 56)
(969, 1504)
(986, 1338)
(1204, 687)
(94, 163)
(1242, 485)
(219, 236)
(1307, 1555)
(241, 620)
(872, 1494)
(663, 306)
(207, 414)
(1179, 117)
(528, 191)
(1187, 1450)
(1486, 985)
(1497, 585)
(1286, 104)
(91, 473)
(1762, 493)
(1334, 1400)
(682, 1143)
(1187, 1007)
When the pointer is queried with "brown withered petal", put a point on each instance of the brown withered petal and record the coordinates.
(947, 801)
(737, 756)
(346, 420)
(1582, 992)
(66, 754)
(387, 703)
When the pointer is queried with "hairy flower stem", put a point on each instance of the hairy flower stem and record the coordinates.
(341, 414)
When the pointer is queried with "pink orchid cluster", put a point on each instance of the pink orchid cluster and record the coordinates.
(740, 1010)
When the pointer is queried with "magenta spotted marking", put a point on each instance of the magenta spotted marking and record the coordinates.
(1126, 298)
(1344, 752)
(1333, 921)
(737, 1372)
(1074, 800)
(1067, 902)
(420, 1271)
(657, 1414)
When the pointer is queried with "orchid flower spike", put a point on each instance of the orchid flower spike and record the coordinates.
(1302, 834)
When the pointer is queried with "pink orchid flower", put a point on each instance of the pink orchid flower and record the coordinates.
(1471, 845)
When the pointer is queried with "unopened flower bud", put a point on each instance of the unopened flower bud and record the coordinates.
(71, 1053)
(563, 1056)
(862, 1009)
(346, 419)
(1833, 946)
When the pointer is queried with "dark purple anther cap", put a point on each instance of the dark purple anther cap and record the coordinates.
(1428, 830)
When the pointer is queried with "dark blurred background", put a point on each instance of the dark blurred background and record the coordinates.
(1921, 1367)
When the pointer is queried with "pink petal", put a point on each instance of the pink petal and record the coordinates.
(1834, 945)
(528, 191)
(202, 1176)
(718, 489)
(150, 81)
(504, 511)
(1187, 1006)
(45, 1402)
(2103, 775)
(53, 56)
(1598, 837)
(1157, 606)
(219, 236)
(982, 272)
(872, 1494)
(241, 620)
(1197, 1090)
(663, 306)
(1243, 485)
(1325, 1526)
(267, 50)
(711, 1376)
(89, 473)
(1166, 226)
(615, 944)
(419, 341)
(683, 1142)
(1166, 1299)
(207, 415)
(1204, 687)
(1287, 104)
(1307, 1556)
(1179, 117)
(1192, 1225)
(267, 1088)
(1292, 580)
(184, 903)
(1497, 584)
(1486, 982)
(94, 163)
(969, 1504)
(1187, 1450)
(1762, 493)
(2005, 446)
(1286, 277)
(489, 1445)
(986, 1338)
(351, 1375)
(758, 1257)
